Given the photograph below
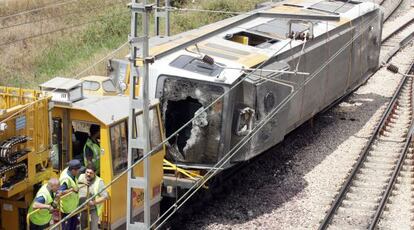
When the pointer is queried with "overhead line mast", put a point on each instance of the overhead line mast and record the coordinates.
(139, 62)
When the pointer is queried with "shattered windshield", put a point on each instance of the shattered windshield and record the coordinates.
(181, 101)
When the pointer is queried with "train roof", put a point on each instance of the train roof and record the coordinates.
(107, 109)
(267, 26)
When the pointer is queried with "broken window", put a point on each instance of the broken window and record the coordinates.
(182, 100)
(251, 39)
(178, 114)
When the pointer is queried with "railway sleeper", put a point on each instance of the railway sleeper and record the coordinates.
(359, 205)
(378, 172)
(374, 165)
(384, 153)
(372, 191)
(357, 198)
(348, 218)
(386, 159)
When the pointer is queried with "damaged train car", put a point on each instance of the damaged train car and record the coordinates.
(336, 42)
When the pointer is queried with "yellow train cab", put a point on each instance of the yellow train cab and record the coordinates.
(72, 121)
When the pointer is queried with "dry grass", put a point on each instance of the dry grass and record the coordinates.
(30, 62)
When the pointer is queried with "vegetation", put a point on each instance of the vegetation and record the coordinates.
(68, 54)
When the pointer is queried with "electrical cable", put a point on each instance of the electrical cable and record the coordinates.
(171, 8)
(88, 10)
(38, 9)
(243, 141)
(277, 109)
(54, 31)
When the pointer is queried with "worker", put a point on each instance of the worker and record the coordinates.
(69, 184)
(95, 186)
(44, 200)
(92, 150)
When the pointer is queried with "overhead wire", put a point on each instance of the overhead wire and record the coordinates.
(243, 141)
(54, 31)
(230, 153)
(171, 8)
(87, 10)
(38, 9)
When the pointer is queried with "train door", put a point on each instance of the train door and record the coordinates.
(71, 131)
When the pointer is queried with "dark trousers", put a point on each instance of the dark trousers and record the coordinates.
(38, 227)
(71, 223)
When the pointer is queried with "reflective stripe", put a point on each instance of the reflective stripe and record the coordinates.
(95, 189)
(99, 207)
(42, 216)
(71, 201)
(96, 149)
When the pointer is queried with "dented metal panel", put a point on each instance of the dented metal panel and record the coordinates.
(185, 93)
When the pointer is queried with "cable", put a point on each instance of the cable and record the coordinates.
(38, 9)
(54, 31)
(102, 59)
(88, 10)
(277, 109)
(170, 8)
(243, 141)
(157, 147)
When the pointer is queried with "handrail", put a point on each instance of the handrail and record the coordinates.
(28, 217)
(58, 207)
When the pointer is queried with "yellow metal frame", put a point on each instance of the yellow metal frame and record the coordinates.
(34, 108)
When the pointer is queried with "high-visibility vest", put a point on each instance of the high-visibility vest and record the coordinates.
(43, 216)
(95, 188)
(96, 149)
(69, 202)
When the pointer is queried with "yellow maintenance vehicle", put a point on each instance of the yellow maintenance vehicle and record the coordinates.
(51, 127)
(24, 151)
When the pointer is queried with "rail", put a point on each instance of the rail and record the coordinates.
(338, 201)
(87, 208)
(390, 186)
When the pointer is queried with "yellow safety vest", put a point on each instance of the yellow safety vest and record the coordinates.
(96, 149)
(95, 189)
(69, 202)
(43, 216)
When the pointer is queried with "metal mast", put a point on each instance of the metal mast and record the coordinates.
(165, 13)
(139, 59)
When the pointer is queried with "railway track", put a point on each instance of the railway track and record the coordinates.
(397, 212)
(364, 195)
(362, 198)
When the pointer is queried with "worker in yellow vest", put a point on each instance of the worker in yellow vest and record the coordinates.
(95, 186)
(92, 150)
(44, 200)
(69, 184)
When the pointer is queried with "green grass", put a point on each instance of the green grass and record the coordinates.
(110, 32)
(67, 54)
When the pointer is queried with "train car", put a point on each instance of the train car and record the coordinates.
(334, 43)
